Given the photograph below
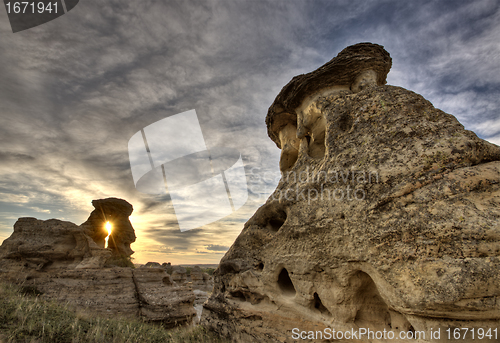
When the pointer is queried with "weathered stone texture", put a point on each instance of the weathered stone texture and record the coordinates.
(162, 300)
(201, 280)
(413, 243)
(51, 244)
(345, 71)
(116, 211)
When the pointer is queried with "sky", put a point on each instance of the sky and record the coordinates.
(75, 90)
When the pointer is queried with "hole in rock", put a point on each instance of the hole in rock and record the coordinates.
(372, 312)
(344, 122)
(228, 267)
(319, 305)
(313, 126)
(260, 266)
(271, 216)
(275, 222)
(289, 146)
(285, 283)
(109, 228)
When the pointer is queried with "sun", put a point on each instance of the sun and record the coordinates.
(109, 228)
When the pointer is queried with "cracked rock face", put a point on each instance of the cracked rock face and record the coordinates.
(395, 226)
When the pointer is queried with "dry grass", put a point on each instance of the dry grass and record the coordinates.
(27, 318)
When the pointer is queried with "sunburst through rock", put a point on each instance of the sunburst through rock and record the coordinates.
(109, 228)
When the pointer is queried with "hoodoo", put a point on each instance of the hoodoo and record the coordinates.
(385, 218)
(115, 212)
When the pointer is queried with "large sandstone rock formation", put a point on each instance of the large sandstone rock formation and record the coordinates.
(68, 263)
(386, 216)
(200, 282)
(116, 212)
(149, 294)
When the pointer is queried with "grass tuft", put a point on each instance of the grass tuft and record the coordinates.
(30, 319)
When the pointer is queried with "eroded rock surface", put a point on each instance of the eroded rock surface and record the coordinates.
(396, 227)
(161, 299)
(116, 212)
(50, 244)
(197, 278)
(62, 262)
(201, 280)
(179, 274)
(295, 115)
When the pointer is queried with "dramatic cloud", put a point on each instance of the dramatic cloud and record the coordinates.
(74, 91)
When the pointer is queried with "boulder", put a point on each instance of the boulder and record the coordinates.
(392, 225)
(167, 266)
(146, 293)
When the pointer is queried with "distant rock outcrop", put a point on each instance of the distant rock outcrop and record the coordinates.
(201, 280)
(116, 212)
(386, 216)
(197, 278)
(51, 244)
(67, 262)
(152, 265)
(294, 114)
